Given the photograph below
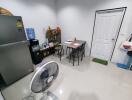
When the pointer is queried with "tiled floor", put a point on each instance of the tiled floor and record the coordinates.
(89, 81)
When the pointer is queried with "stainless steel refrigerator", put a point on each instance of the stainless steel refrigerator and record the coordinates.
(15, 59)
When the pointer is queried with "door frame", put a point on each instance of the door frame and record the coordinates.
(118, 30)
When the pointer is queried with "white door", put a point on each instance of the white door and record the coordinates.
(107, 25)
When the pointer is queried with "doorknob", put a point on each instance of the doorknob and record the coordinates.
(113, 39)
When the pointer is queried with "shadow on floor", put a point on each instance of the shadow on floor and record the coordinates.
(82, 96)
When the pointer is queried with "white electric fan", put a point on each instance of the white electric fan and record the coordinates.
(42, 80)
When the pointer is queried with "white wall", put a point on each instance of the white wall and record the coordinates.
(1, 98)
(76, 18)
(38, 14)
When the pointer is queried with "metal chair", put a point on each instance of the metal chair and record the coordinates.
(82, 51)
(74, 54)
(77, 53)
(60, 51)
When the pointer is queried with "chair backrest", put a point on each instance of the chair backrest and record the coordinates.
(79, 49)
(82, 47)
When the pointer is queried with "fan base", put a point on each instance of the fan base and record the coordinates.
(46, 96)
(49, 96)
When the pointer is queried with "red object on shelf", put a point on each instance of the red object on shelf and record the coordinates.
(127, 46)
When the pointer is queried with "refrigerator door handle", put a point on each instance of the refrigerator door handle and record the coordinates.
(3, 45)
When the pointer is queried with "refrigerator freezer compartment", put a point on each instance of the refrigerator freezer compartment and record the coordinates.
(10, 30)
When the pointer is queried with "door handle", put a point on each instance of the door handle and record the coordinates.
(113, 39)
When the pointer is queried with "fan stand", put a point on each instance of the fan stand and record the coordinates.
(29, 97)
(49, 96)
(46, 96)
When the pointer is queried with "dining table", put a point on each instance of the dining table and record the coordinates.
(74, 44)
(73, 47)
